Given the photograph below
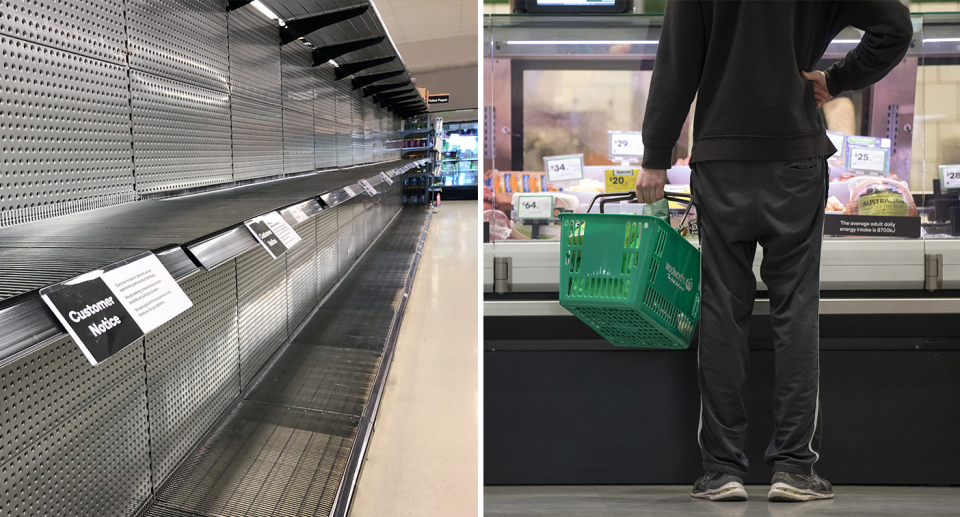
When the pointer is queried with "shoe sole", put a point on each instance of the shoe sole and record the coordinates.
(784, 493)
(730, 492)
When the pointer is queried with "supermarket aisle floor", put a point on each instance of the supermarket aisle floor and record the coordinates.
(422, 459)
(640, 501)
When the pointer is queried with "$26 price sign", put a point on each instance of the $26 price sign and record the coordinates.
(626, 143)
(564, 168)
(534, 207)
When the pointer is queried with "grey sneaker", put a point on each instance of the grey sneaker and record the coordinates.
(787, 487)
(717, 486)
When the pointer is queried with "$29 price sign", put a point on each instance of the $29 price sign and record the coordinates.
(950, 177)
(626, 143)
(564, 168)
(534, 207)
(867, 159)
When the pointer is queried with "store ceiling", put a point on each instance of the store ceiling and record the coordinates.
(429, 34)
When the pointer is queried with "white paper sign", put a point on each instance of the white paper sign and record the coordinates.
(368, 188)
(949, 177)
(838, 141)
(297, 214)
(626, 143)
(867, 159)
(386, 179)
(349, 191)
(564, 168)
(148, 292)
(534, 207)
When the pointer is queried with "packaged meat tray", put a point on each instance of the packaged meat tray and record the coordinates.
(872, 195)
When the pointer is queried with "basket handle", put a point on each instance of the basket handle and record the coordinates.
(611, 196)
(627, 196)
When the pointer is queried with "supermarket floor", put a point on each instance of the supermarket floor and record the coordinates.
(667, 501)
(422, 459)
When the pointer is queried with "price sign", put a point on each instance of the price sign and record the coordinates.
(534, 207)
(368, 188)
(386, 179)
(626, 143)
(564, 168)
(349, 191)
(868, 159)
(950, 177)
(838, 140)
(621, 180)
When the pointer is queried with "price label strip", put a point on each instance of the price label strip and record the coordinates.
(950, 177)
(568, 168)
(106, 310)
(534, 207)
(387, 179)
(869, 159)
(297, 213)
(626, 143)
(274, 233)
(621, 180)
(368, 188)
(350, 192)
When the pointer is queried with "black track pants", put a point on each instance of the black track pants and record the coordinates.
(780, 206)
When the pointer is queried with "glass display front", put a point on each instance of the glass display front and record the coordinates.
(459, 165)
(566, 97)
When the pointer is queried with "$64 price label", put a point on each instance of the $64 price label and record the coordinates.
(534, 207)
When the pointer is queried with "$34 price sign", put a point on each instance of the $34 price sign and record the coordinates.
(534, 207)
(564, 168)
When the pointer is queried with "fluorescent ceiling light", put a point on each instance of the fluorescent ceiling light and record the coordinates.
(942, 40)
(334, 63)
(385, 30)
(630, 42)
(266, 11)
(584, 42)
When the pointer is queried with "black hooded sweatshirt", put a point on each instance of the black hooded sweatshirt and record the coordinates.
(742, 59)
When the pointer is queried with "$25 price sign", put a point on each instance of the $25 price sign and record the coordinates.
(534, 207)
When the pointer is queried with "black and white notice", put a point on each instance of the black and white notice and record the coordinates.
(368, 188)
(274, 233)
(106, 310)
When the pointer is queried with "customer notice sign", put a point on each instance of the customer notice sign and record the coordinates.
(274, 233)
(108, 309)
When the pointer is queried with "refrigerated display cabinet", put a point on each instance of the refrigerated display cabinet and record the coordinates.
(556, 394)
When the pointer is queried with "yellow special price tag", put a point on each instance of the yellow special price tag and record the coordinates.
(621, 180)
(677, 189)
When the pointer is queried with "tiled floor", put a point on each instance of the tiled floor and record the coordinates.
(669, 501)
(422, 459)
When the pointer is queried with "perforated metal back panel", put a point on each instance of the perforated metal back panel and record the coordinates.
(74, 439)
(344, 122)
(181, 134)
(298, 118)
(257, 138)
(302, 274)
(254, 55)
(262, 287)
(93, 28)
(348, 216)
(325, 116)
(193, 368)
(185, 40)
(65, 127)
(359, 112)
(327, 255)
(266, 461)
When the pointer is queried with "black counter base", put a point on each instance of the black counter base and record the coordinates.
(631, 416)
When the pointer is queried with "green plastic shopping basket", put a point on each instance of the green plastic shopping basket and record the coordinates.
(632, 278)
